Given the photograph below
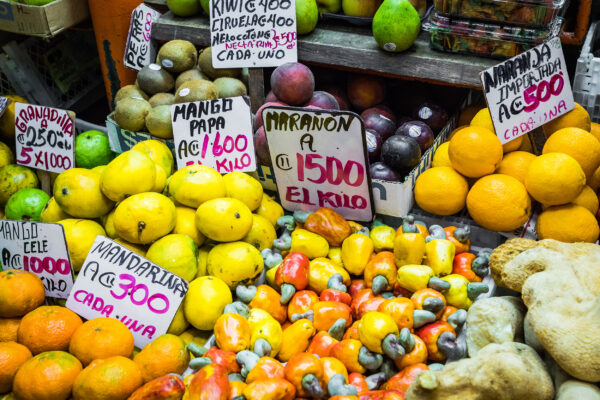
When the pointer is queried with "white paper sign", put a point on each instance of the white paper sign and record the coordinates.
(528, 90)
(320, 160)
(253, 33)
(40, 248)
(44, 138)
(115, 282)
(216, 133)
(140, 51)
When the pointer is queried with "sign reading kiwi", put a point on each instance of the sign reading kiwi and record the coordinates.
(253, 33)
(216, 133)
(140, 51)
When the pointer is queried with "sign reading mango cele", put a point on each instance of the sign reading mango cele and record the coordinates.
(115, 282)
(40, 248)
(216, 133)
(320, 160)
(528, 90)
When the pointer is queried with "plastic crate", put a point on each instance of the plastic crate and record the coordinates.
(586, 85)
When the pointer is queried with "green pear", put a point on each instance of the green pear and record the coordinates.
(329, 6)
(396, 25)
(307, 15)
(205, 6)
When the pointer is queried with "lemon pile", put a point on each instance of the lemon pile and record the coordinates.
(206, 228)
(497, 183)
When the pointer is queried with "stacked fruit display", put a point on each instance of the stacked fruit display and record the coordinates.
(497, 183)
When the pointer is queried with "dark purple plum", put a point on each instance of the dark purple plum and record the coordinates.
(323, 100)
(382, 125)
(340, 96)
(382, 172)
(374, 143)
(293, 83)
(380, 109)
(418, 130)
(401, 153)
(433, 115)
(261, 147)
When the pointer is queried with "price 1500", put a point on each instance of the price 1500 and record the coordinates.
(330, 169)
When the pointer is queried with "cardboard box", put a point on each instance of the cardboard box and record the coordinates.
(122, 140)
(44, 21)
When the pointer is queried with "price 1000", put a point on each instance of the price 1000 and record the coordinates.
(331, 170)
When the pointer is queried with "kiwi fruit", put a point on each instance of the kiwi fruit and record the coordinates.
(131, 113)
(205, 65)
(230, 87)
(188, 75)
(158, 122)
(129, 91)
(196, 90)
(161, 99)
(154, 79)
(177, 55)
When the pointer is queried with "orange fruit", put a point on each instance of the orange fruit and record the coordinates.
(576, 118)
(166, 354)
(467, 114)
(112, 378)
(47, 376)
(499, 202)
(483, 118)
(516, 164)
(587, 199)
(594, 182)
(441, 191)
(513, 145)
(8, 329)
(595, 130)
(441, 158)
(568, 223)
(475, 151)
(526, 144)
(554, 179)
(579, 144)
(101, 338)
(458, 128)
(20, 292)
(48, 328)
(12, 356)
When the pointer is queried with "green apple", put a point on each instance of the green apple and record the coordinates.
(360, 8)
(307, 15)
(329, 6)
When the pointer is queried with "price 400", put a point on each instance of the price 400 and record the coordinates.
(334, 171)
(540, 93)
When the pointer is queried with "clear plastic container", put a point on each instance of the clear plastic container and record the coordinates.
(458, 35)
(532, 13)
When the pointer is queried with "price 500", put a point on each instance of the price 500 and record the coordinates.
(540, 93)
(334, 171)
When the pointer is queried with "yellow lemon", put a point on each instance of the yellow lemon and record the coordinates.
(136, 248)
(195, 184)
(594, 182)
(441, 191)
(245, 188)
(515, 164)
(236, 263)
(162, 157)
(175, 253)
(205, 300)
(6, 155)
(554, 179)
(483, 118)
(129, 173)
(270, 209)
(77, 192)
(568, 223)
(475, 151)
(224, 219)
(52, 212)
(513, 145)
(108, 221)
(202, 259)
(144, 217)
(526, 144)
(185, 223)
(576, 118)
(595, 130)
(441, 158)
(262, 234)
(499, 202)
(579, 144)
(587, 199)
(80, 235)
(179, 323)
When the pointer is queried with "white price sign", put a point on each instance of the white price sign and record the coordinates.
(44, 137)
(253, 33)
(320, 160)
(528, 90)
(140, 51)
(115, 282)
(40, 248)
(216, 133)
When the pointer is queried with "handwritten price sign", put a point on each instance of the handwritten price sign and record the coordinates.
(320, 160)
(115, 282)
(528, 90)
(44, 137)
(40, 248)
(253, 33)
(139, 50)
(216, 133)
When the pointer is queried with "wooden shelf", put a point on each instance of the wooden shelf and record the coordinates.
(353, 48)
